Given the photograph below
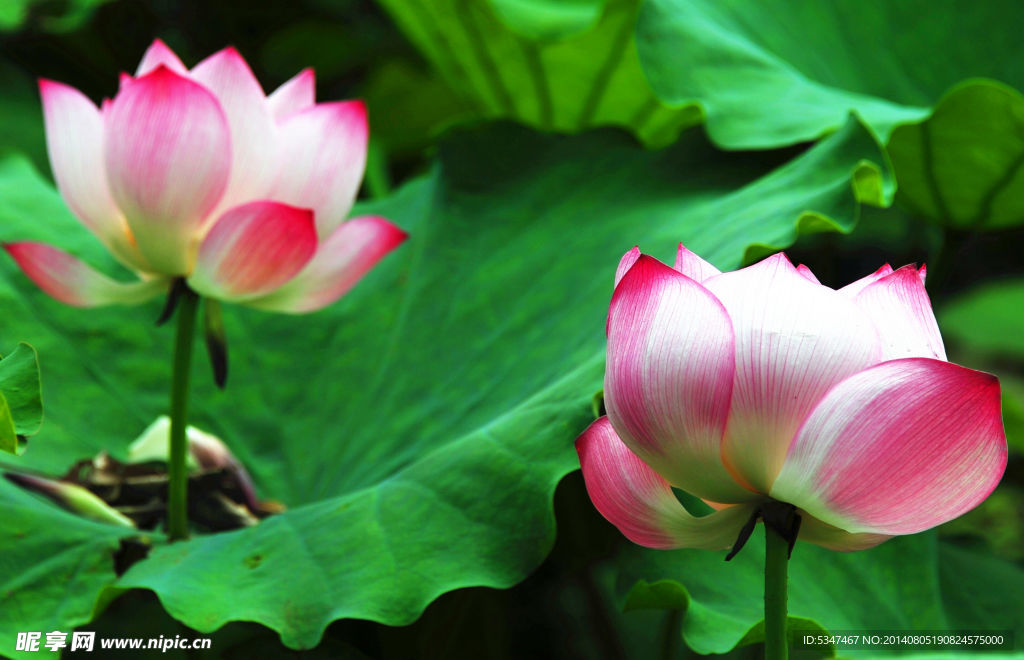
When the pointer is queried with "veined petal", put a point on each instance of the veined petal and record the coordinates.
(168, 157)
(806, 273)
(902, 313)
(73, 282)
(634, 498)
(293, 96)
(158, 54)
(851, 290)
(669, 377)
(898, 448)
(322, 157)
(691, 265)
(625, 263)
(341, 261)
(828, 536)
(794, 340)
(74, 141)
(253, 132)
(253, 249)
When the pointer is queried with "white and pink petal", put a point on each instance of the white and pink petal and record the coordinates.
(159, 54)
(899, 307)
(851, 290)
(254, 249)
(634, 498)
(794, 340)
(340, 262)
(828, 536)
(73, 282)
(693, 266)
(807, 274)
(74, 141)
(898, 448)
(253, 131)
(669, 377)
(168, 159)
(321, 161)
(626, 262)
(294, 95)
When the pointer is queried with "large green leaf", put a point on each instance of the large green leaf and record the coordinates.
(21, 404)
(566, 66)
(53, 566)
(782, 71)
(906, 584)
(417, 428)
(962, 167)
(981, 592)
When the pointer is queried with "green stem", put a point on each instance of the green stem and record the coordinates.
(177, 469)
(776, 564)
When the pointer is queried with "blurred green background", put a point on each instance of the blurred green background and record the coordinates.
(701, 98)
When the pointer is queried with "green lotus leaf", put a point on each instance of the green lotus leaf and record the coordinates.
(962, 166)
(556, 65)
(778, 72)
(21, 404)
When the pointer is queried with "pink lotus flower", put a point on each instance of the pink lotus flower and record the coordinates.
(197, 174)
(762, 383)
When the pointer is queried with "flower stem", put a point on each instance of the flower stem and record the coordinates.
(177, 469)
(776, 645)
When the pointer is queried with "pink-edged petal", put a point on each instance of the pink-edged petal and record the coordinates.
(898, 448)
(828, 536)
(293, 96)
(73, 282)
(253, 133)
(669, 376)
(902, 313)
(922, 273)
(806, 273)
(322, 158)
(253, 249)
(693, 266)
(794, 340)
(159, 54)
(851, 290)
(340, 262)
(625, 263)
(634, 498)
(168, 157)
(74, 141)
